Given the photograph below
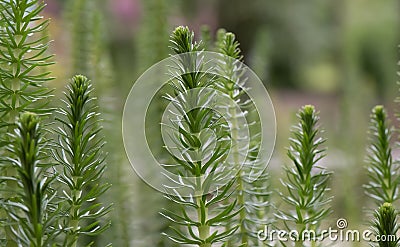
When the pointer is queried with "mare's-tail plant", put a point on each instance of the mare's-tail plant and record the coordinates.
(382, 171)
(385, 227)
(80, 153)
(23, 58)
(150, 50)
(81, 16)
(23, 75)
(252, 190)
(384, 179)
(89, 57)
(33, 219)
(306, 182)
(200, 220)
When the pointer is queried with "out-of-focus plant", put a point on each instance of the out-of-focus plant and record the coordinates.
(32, 210)
(151, 49)
(252, 191)
(81, 15)
(382, 171)
(306, 182)
(206, 39)
(200, 217)
(80, 153)
(385, 226)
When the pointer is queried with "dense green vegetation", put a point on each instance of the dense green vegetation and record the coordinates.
(65, 181)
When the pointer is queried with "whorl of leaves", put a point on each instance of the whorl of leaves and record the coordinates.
(80, 154)
(385, 226)
(29, 210)
(382, 171)
(200, 218)
(306, 182)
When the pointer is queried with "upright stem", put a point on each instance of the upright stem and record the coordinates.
(204, 230)
(300, 227)
(15, 87)
(236, 159)
(73, 237)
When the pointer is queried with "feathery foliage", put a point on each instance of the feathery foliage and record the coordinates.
(32, 223)
(382, 171)
(252, 196)
(385, 226)
(306, 182)
(200, 217)
(80, 153)
(23, 56)
(23, 75)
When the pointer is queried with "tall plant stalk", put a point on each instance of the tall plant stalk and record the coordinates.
(80, 153)
(23, 75)
(33, 224)
(252, 196)
(150, 50)
(81, 15)
(306, 182)
(385, 226)
(23, 56)
(382, 171)
(199, 218)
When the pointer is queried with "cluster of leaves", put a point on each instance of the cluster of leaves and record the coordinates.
(252, 192)
(23, 75)
(33, 211)
(244, 208)
(200, 211)
(385, 226)
(81, 155)
(382, 171)
(32, 207)
(239, 205)
(306, 182)
(23, 60)
(384, 179)
(52, 201)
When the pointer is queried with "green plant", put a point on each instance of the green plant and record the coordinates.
(382, 171)
(251, 191)
(90, 57)
(32, 210)
(199, 217)
(23, 60)
(23, 76)
(81, 15)
(80, 153)
(150, 50)
(306, 182)
(385, 226)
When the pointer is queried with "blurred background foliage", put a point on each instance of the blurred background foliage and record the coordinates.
(339, 55)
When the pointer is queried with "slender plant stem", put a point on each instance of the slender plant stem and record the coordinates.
(240, 185)
(80, 152)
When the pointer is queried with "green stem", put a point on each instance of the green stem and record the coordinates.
(74, 223)
(236, 159)
(300, 227)
(15, 87)
(204, 230)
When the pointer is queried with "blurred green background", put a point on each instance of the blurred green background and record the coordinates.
(339, 55)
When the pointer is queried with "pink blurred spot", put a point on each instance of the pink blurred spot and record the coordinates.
(125, 10)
